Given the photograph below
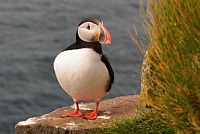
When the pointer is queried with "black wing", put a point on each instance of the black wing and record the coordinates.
(110, 70)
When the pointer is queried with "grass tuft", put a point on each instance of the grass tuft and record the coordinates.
(172, 65)
(147, 122)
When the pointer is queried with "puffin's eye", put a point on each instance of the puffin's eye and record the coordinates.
(88, 26)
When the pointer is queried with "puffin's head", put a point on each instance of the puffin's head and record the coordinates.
(92, 29)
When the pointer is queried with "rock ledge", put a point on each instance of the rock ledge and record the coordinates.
(110, 111)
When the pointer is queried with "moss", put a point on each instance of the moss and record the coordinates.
(148, 122)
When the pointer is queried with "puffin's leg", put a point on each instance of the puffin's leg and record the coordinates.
(93, 114)
(76, 112)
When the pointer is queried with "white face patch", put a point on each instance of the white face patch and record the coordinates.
(87, 31)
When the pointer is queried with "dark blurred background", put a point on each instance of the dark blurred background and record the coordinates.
(33, 32)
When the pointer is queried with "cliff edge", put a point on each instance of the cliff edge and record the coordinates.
(110, 111)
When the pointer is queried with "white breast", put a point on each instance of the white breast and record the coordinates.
(81, 74)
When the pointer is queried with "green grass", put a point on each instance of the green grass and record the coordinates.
(147, 122)
(172, 79)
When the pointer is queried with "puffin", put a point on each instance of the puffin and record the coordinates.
(82, 69)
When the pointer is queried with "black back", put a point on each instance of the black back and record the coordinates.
(110, 70)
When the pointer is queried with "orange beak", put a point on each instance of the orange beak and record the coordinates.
(105, 37)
